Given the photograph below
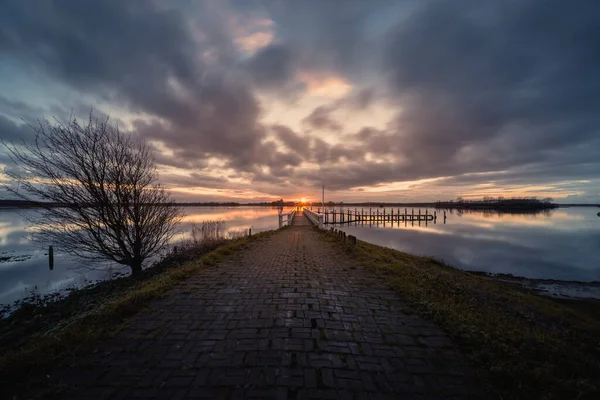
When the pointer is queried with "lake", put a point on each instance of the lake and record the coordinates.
(24, 265)
(560, 244)
(563, 243)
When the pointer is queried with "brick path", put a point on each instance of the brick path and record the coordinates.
(288, 318)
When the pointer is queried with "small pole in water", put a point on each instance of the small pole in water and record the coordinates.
(249, 231)
(51, 257)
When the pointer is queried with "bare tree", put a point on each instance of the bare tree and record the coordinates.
(98, 189)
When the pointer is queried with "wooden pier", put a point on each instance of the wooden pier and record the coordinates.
(377, 216)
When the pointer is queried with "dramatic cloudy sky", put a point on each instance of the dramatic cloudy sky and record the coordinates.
(256, 100)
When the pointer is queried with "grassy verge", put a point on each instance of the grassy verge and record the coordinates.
(88, 316)
(528, 346)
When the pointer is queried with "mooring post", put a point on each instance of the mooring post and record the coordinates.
(280, 221)
(51, 257)
(175, 250)
(249, 231)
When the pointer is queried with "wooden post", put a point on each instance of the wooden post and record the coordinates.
(51, 258)
(249, 231)
(175, 250)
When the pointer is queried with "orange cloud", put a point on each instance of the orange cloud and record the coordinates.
(324, 85)
(254, 41)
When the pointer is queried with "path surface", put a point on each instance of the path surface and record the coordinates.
(288, 318)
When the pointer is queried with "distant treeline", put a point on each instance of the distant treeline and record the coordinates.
(500, 203)
(279, 203)
(24, 204)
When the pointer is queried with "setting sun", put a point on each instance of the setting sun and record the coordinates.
(303, 200)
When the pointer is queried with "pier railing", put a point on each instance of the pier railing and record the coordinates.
(286, 219)
(375, 216)
(315, 218)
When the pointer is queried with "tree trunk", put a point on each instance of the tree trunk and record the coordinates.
(136, 267)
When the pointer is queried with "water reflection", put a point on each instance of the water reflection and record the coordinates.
(24, 265)
(557, 244)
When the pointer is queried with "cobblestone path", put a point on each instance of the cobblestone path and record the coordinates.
(290, 317)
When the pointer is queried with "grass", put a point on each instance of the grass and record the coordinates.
(93, 315)
(526, 345)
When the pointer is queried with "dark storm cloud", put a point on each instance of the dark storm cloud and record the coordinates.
(272, 66)
(332, 35)
(146, 57)
(320, 118)
(484, 87)
(293, 141)
(11, 132)
(503, 84)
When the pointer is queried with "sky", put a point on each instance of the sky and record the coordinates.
(377, 100)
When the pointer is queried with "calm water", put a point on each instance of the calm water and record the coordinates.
(24, 265)
(561, 244)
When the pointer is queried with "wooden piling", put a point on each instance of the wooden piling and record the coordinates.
(51, 258)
